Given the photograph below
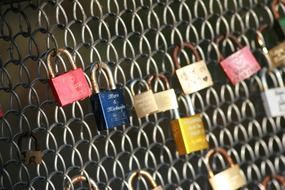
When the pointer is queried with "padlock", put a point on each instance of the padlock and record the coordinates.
(165, 100)
(1, 111)
(145, 175)
(230, 179)
(273, 99)
(79, 179)
(189, 132)
(144, 103)
(195, 76)
(279, 23)
(239, 65)
(70, 86)
(276, 55)
(109, 106)
(265, 182)
(30, 156)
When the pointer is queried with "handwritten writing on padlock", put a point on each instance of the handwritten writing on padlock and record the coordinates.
(195, 76)
(239, 65)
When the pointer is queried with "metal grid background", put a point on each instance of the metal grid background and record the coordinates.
(136, 38)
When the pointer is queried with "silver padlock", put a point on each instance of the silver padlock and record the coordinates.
(30, 156)
(80, 178)
(145, 175)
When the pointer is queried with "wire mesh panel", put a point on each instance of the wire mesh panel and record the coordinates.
(136, 39)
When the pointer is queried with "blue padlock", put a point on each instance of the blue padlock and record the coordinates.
(109, 106)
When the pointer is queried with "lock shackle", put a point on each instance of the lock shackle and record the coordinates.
(221, 38)
(276, 72)
(267, 179)
(111, 82)
(178, 49)
(56, 52)
(138, 81)
(259, 37)
(160, 76)
(144, 174)
(211, 153)
(274, 8)
(80, 178)
(28, 136)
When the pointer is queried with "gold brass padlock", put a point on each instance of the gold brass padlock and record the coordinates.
(166, 99)
(144, 103)
(276, 55)
(30, 156)
(265, 182)
(189, 132)
(78, 179)
(195, 76)
(230, 179)
(145, 175)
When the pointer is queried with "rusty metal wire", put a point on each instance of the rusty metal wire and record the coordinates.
(136, 39)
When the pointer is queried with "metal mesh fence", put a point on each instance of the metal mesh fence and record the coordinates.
(136, 39)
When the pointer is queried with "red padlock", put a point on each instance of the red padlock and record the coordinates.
(241, 64)
(70, 86)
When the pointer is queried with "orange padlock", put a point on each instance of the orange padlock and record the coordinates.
(70, 86)
(280, 179)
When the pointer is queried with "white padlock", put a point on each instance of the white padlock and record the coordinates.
(274, 98)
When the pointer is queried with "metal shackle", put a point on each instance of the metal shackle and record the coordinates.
(274, 8)
(178, 49)
(211, 153)
(78, 179)
(28, 136)
(54, 54)
(280, 179)
(160, 76)
(274, 72)
(260, 39)
(145, 175)
(110, 81)
(138, 81)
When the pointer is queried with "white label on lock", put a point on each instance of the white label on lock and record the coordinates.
(194, 77)
(166, 100)
(274, 102)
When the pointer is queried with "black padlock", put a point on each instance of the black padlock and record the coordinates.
(30, 156)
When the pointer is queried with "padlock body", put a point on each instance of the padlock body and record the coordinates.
(231, 179)
(189, 134)
(194, 77)
(274, 102)
(277, 55)
(166, 100)
(158, 188)
(70, 87)
(109, 109)
(145, 104)
(31, 156)
(240, 65)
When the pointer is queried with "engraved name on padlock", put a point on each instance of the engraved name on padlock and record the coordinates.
(144, 103)
(109, 106)
(231, 178)
(273, 99)
(70, 86)
(239, 65)
(79, 179)
(147, 176)
(189, 132)
(195, 76)
(166, 99)
(279, 23)
(265, 182)
(30, 156)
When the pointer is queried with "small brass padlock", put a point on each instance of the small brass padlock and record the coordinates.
(165, 100)
(279, 23)
(265, 182)
(274, 98)
(229, 179)
(30, 156)
(241, 64)
(70, 86)
(145, 175)
(144, 103)
(78, 179)
(193, 77)
(189, 132)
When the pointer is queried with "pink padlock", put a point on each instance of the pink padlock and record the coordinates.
(241, 64)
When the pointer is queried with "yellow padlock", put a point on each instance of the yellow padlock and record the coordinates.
(189, 132)
(230, 179)
(147, 176)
